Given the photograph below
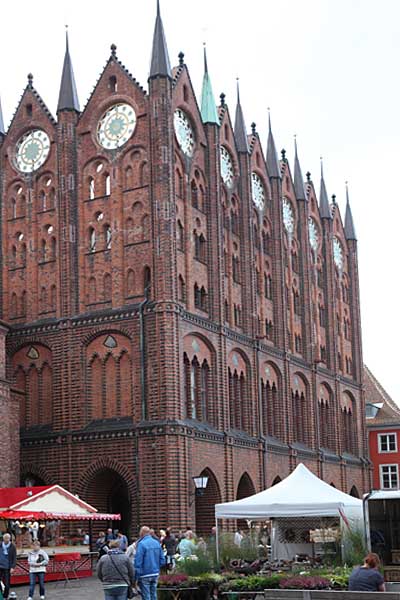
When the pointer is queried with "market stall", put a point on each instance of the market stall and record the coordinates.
(41, 513)
(304, 511)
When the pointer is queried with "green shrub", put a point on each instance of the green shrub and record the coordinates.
(354, 547)
(252, 583)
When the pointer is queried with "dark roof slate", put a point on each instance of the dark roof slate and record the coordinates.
(272, 156)
(160, 64)
(349, 228)
(68, 97)
(240, 128)
(298, 177)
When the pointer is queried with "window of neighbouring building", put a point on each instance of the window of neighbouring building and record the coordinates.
(387, 442)
(389, 476)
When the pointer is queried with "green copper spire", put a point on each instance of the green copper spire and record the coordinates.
(209, 112)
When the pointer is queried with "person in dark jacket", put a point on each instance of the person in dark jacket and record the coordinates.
(169, 543)
(149, 559)
(115, 571)
(8, 561)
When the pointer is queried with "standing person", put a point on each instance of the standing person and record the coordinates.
(367, 577)
(186, 546)
(8, 561)
(100, 540)
(169, 543)
(149, 559)
(123, 541)
(37, 561)
(110, 535)
(115, 571)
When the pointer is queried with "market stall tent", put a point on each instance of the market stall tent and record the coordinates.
(301, 494)
(47, 502)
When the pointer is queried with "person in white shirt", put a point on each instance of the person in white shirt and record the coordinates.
(237, 540)
(37, 561)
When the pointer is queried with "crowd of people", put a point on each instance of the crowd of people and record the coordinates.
(125, 569)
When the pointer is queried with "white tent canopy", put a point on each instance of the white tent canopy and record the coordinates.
(301, 494)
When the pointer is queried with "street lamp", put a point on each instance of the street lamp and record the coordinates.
(200, 484)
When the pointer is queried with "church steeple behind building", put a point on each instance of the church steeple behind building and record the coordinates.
(2, 129)
(68, 97)
(324, 208)
(240, 128)
(160, 64)
(272, 157)
(209, 112)
(349, 228)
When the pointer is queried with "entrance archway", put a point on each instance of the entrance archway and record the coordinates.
(244, 490)
(109, 493)
(205, 512)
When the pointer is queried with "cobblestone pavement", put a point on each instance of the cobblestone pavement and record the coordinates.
(85, 589)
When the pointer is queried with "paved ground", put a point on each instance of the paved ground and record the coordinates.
(90, 589)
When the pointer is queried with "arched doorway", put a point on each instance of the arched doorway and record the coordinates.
(108, 492)
(354, 492)
(205, 505)
(245, 489)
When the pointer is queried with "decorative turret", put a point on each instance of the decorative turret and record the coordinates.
(324, 208)
(209, 112)
(2, 129)
(160, 65)
(68, 97)
(349, 229)
(298, 176)
(272, 157)
(240, 128)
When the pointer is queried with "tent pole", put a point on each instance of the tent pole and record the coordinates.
(217, 539)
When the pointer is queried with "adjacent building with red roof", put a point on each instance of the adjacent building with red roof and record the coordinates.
(383, 426)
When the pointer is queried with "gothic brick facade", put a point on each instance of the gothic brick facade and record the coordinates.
(167, 321)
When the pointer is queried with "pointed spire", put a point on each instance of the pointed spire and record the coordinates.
(68, 97)
(272, 157)
(349, 229)
(209, 112)
(298, 176)
(2, 129)
(324, 208)
(240, 128)
(160, 65)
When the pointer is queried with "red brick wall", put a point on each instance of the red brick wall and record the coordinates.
(104, 405)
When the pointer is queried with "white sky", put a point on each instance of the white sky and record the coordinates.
(329, 70)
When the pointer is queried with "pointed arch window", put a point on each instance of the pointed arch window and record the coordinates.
(13, 208)
(91, 188)
(108, 185)
(180, 237)
(194, 195)
(181, 289)
(107, 236)
(92, 240)
(268, 286)
(23, 255)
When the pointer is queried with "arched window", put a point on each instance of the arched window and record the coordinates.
(147, 281)
(269, 330)
(266, 240)
(301, 413)
(203, 299)
(53, 254)
(53, 298)
(108, 185)
(23, 255)
(13, 212)
(296, 302)
(91, 188)
(181, 289)
(268, 286)
(13, 257)
(270, 409)
(113, 83)
(130, 283)
(236, 269)
(238, 401)
(92, 240)
(107, 236)
(194, 194)
(13, 306)
(180, 237)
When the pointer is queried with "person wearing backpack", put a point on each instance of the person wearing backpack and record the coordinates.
(115, 571)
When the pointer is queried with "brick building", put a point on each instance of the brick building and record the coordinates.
(383, 428)
(179, 303)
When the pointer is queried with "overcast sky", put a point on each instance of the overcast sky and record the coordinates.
(328, 69)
